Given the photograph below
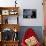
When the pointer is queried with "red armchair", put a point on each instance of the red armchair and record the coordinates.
(29, 33)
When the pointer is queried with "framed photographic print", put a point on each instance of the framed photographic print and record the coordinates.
(5, 20)
(29, 13)
(7, 34)
(12, 20)
(13, 12)
(5, 12)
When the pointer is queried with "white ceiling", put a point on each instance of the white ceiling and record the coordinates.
(7, 3)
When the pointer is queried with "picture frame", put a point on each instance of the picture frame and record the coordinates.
(13, 12)
(8, 34)
(5, 20)
(12, 20)
(5, 12)
(29, 13)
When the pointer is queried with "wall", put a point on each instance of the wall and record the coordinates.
(7, 3)
(31, 4)
(27, 4)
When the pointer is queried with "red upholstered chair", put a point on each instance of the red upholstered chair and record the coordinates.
(29, 33)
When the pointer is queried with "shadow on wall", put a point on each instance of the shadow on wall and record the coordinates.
(37, 29)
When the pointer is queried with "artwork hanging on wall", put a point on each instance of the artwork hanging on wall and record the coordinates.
(8, 34)
(29, 13)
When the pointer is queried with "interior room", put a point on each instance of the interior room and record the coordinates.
(22, 23)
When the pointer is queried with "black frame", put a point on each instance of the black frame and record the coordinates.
(29, 13)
